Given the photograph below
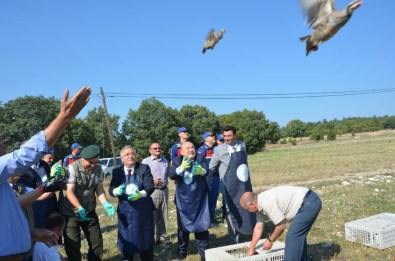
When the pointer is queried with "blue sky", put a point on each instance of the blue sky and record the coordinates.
(154, 47)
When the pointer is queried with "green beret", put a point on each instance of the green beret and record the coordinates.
(90, 152)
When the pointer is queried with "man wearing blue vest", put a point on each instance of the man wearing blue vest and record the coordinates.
(230, 159)
(191, 199)
(73, 156)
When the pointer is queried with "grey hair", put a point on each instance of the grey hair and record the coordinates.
(127, 147)
(249, 199)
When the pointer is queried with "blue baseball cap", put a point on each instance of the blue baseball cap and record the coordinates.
(207, 134)
(182, 129)
(220, 137)
(75, 145)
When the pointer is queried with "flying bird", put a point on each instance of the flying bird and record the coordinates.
(212, 39)
(325, 20)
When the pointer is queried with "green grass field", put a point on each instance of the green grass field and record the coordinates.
(354, 176)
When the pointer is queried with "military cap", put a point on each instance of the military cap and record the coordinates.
(90, 152)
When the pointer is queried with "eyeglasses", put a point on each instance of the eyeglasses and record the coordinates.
(158, 148)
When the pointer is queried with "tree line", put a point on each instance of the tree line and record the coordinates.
(154, 121)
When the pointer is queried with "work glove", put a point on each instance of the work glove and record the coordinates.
(185, 164)
(119, 190)
(110, 210)
(52, 185)
(197, 169)
(57, 171)
(135, 196)
(82, 214)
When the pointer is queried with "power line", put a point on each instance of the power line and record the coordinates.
(248, 96)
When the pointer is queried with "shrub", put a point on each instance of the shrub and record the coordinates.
(331, 135)
(283, 141)
(317, 135)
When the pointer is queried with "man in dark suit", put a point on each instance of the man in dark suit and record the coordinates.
(133, 184)
(191, 199)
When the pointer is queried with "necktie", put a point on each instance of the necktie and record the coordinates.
(129, 174)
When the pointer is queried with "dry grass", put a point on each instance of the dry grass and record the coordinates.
(354, 176)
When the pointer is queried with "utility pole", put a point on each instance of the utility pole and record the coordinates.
(109, 128)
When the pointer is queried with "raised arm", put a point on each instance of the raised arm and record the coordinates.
(31, 152)
(69, 108)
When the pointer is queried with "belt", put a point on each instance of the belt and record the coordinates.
(16, 257)
(162, 188)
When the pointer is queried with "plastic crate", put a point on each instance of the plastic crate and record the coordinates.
(375, 231)
(238, 252)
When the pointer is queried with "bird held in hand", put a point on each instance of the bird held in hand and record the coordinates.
(212, 39)
(325, 20)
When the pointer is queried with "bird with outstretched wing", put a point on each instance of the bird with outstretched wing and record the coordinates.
(212, 39)
(325, 20)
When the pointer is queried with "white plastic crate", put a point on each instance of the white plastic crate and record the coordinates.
(238, 252)
(375, 231)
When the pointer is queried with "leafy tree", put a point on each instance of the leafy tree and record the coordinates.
(296, 128)
(152, 121)
(331, 135)
(388, 122)
(317, 134)
(251, 128)
(96, 122)
(77, 131)
(272, 133)
(198, 119)
(227, 120)
(23, 117)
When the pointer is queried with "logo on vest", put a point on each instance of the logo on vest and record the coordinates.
(131, 189)
(242, 172)
(188, 177)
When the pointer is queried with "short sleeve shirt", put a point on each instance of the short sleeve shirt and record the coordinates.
(279, 203)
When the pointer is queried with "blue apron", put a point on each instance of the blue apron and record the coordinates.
(192, 204)
(135, 224)
(237, 181)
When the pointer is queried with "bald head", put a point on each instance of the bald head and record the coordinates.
(188, 150)
(248, 202)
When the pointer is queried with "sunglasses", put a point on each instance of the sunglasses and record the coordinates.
(158, 148)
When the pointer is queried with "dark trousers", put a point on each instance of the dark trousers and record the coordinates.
(233, 234)
(144, 256)
(201, 239)
(92, 232)
(296, 244)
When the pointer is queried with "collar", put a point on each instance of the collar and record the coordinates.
(125, 169)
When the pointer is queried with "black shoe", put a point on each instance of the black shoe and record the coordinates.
(181, 256)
